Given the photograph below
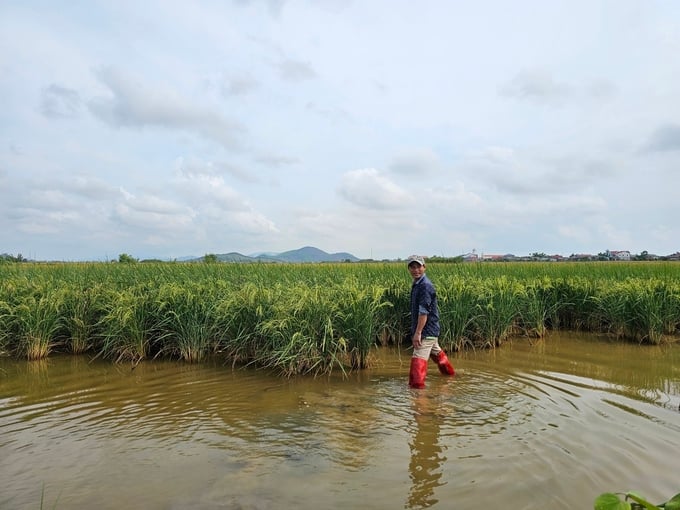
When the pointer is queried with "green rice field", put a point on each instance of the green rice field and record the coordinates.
(317, 318)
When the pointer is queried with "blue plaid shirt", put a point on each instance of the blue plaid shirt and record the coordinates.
(424, 302)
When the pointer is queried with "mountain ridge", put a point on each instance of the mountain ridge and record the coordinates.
(304, 254)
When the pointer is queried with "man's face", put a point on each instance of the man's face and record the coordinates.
(416, 270)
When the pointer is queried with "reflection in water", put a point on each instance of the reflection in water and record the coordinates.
(427, 457)
(557, 422)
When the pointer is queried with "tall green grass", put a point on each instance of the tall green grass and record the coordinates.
(132, 324)
(317, 318)
(190, 321)
(459, 313)
(31, 317)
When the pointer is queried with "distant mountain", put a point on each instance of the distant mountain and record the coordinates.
(306, 254)
(234, 257)
(311, 254)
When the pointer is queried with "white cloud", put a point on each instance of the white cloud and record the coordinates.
(537, 85)
(134, 103)
(665, 234)
(665, 138)
(576, 233)
(369, 188)
(90, 188)
(60, 102)
(219, 204)
(293, 70)
(194, 167)
(416, 162)
(455, 198)
(130, 213)
(239, 85)
(534, 172)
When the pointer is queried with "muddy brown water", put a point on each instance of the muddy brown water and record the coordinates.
(545, 425)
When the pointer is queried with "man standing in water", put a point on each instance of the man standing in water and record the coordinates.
(424, 325)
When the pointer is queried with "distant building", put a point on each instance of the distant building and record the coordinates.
(487, 256)
(582, 256)
(618, 255)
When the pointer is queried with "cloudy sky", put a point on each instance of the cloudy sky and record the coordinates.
(383, 128)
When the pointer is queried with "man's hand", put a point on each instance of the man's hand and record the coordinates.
(417, 341)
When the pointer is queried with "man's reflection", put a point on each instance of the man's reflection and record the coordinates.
(425, 467)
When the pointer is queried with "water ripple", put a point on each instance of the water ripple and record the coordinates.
(507, 431)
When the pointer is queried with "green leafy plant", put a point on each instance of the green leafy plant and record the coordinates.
(612, 501)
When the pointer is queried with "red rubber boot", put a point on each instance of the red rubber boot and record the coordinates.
(443, 363)
(416, 376)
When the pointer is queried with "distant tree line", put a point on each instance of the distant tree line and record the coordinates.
(6, 257)
(212, 258)
(450, 260)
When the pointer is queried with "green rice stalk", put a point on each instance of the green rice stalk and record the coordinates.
(649, 308)
(130, 325)
(359, 318)
(301, 338)
(38, 322)
(496, 311)
(82, 312)
(612, 311)
(242, 313)
(300, 318)
(577, 305)
(457, 298)
(7, 328)
(190, 324)
(392, 320)
(539, 307)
